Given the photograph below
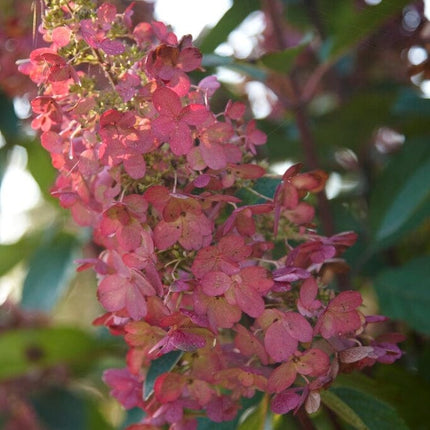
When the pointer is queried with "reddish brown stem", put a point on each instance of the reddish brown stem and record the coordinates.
(304, 421)
(293, 100)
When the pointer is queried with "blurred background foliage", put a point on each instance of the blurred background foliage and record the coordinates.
(343, 86)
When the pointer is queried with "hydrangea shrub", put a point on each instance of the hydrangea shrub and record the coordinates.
(186, 266)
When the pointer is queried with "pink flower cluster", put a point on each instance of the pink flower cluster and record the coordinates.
(186, 265)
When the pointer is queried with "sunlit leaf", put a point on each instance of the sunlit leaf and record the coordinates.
(244, 67)
(404, 294)
(283, 61)
(257, 417)
(27, 350)
(40, 167)
(13, 253)
(231, 19)
(50, 269)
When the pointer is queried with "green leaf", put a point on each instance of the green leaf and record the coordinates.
(132, 416)
(342, 409)
(353, 122)
(50, 268)
(359, 25)
(244, 67)
(231, 19)
(13, 253)
(26, 350)
(59, 409)
(408, 392)
(159, 366)
(8, 119)
(404, 294)
(283, 61)
(410, 103)
(40, 166)
(400, 198)
(264, 186)
(373, 414)
(256, 419)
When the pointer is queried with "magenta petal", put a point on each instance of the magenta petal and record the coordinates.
(112, 47)
(187, 341)
(285, 402)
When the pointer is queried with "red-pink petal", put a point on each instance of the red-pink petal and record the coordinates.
(346, 301)
(215, 283)
(298, 326)
(167, 102)
(282, 377)
(278, 342)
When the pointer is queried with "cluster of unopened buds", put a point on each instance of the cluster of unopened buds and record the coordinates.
(186, 265)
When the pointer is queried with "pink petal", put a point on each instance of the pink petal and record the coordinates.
(346, 301)
(283, 403)
(282, 377)
(195, 114)
(302, 214)
(106, 14)
(135, 166)
(166, 234)
(52, 142)
(112, 47)
(126, 387)
(186, 340)
(352, 355)
(135, 302)
(215, 283)
(181, 141)
(168, 387)
(278, 342)
(164, 127)
(298, 327)
(213, 155)
(249, 301)
(61, 36)
(111, 292)
(190, 59)
(249, 345)
(167, 102)
(313, 362)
